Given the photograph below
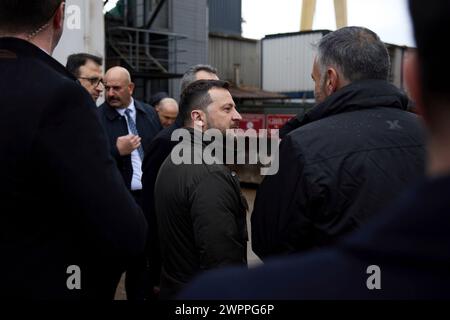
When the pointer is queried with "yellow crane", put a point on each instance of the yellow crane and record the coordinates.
(309, 8)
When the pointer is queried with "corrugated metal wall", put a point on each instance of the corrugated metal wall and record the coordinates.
(144, 9)
(287, 62)
(227, 54)
(225, 16)
(190, 18)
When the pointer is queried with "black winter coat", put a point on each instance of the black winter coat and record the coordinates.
(352, 155)
(201, 216)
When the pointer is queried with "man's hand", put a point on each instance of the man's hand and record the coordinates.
(127, 144)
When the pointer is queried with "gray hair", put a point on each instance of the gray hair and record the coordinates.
(356, 52)
(189, 76)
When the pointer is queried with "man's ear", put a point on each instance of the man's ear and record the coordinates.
(198, 118)
(58, 18)
(332, 82)
(131, 87)
(413, 81)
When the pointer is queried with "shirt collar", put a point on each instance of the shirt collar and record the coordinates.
(131, 106)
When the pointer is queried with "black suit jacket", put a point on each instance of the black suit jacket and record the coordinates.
(148, 126)
(156, 153)
(62, 199)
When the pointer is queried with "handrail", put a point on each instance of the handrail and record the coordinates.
(162, 33)
(134, 46)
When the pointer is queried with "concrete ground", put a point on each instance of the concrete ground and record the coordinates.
(253, 260)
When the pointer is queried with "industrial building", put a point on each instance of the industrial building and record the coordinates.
(287, 61)
(157, 40)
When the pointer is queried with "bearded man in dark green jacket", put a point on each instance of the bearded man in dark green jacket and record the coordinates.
(200, 209)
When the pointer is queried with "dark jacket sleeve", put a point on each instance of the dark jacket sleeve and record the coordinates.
(74, 146)
(155, 155)
(112, 144)
(277, 218)
(114, 151)
(214, 212)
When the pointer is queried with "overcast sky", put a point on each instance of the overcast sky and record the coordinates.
(388, 18)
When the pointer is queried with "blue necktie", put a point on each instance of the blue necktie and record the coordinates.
(134, 131)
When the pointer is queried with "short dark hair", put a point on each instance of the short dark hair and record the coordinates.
(196, 95)
(76, 61)
(26, 15)
(431, 23)
(356, 52)
(189, 75)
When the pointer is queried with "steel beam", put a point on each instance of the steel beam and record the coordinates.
(308, 10)
(340, 8)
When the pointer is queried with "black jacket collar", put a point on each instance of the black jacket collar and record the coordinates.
(366, 94)
(26, 49)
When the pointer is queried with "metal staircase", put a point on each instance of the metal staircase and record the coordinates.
(151, 54)
(147, 53)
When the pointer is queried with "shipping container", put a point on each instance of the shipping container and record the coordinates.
(287, 61)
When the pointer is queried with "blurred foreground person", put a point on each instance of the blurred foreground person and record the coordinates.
(404, 253)
(67, 221)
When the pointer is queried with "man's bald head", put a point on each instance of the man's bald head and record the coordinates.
(168, 111)
(118, 87)
(119, 73)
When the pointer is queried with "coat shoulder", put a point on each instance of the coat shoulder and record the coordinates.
(145, 107)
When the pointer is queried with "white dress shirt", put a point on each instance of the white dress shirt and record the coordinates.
(136, 162)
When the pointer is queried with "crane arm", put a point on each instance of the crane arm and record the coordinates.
(309, 8)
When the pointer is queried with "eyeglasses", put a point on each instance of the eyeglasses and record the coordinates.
(93, 81)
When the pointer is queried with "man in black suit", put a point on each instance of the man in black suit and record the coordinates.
(67, 219)
(130, 125)
(404, 253)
